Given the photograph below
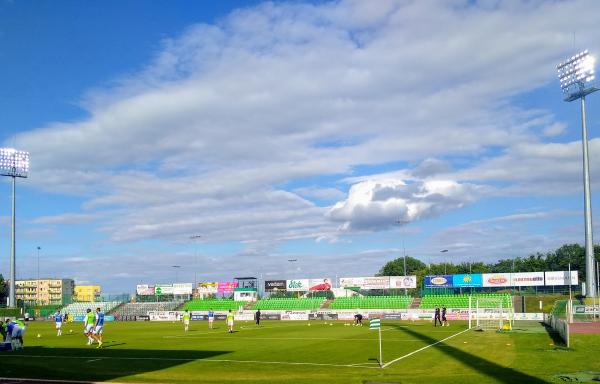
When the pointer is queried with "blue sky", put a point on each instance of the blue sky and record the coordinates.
(284, 130)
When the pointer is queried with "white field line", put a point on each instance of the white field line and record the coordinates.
(422, 349)
(358, 365)
(282, 338)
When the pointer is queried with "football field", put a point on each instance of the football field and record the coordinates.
(296, 352)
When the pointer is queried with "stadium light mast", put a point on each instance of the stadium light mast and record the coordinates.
(576, 76)
(195, 239)
(14, 164)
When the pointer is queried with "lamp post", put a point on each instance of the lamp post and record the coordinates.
(445, 264)
(400, 222)
(195, 239)
(576, 75)
(37, 286)
(14, 164)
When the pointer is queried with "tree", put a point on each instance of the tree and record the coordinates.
(3, 289)
(396, 267)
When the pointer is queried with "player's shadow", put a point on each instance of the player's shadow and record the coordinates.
(94, 364)
(489, 368)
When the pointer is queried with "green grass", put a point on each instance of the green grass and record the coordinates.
(162, 352)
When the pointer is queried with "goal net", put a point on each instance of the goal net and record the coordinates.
(493, 313)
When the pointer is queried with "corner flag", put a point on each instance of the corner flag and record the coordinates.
(376, 324)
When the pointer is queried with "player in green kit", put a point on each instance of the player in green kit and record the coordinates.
(88, 325)
(186, 320)
(230, 322)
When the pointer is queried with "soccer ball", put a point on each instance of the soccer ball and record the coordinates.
(308, 324)
(70, 331)
(39, 335)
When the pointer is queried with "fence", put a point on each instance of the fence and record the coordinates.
(559, 326)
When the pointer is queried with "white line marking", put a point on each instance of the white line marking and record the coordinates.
(422, 349)
(200, 360)
(89, 361)
(282, 338)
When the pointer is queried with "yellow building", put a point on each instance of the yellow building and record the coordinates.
(87, 292)
(45, 291)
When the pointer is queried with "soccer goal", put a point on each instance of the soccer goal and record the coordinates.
(492, 313)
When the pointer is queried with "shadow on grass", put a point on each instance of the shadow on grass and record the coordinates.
(483, 366)
(555, 336)
(93, 364)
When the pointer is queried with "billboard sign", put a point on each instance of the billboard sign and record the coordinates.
(438, 281)
(163, 289)
(275, 285)
(182, 288)
(319, 284)
(144, 290)
(297, 285)
(528, 279)
(207, 287)
(226, 286)
(561, 278)
(497, 280)
(372, 282)
(467, 280)
(403, 282)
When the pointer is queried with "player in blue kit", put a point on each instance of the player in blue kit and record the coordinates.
(58, 319)
(97, 333)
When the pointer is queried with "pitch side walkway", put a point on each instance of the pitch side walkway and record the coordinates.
(584, 328)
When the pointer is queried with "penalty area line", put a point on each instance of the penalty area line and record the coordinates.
(422, 349)
(358, 365)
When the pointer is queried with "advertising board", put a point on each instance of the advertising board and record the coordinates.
(275, 285)
(207, 287)
(144, 290)
(497, 280)
(528, 279)
(408, 282)
(226, 286)
(163, 289)
(182, 288)
(372, 282)
(294, 315)
(297, 285)
(467, 280)
(438, 281)
(561, 278)
(319, 284)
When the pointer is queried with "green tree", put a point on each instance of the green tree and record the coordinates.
(396, 267)
(3, 289)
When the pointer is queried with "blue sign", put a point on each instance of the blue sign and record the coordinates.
(81, 318)
(467, 280)
(438, 281)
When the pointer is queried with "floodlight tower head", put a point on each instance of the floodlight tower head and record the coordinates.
(577, 76)
(14, 163)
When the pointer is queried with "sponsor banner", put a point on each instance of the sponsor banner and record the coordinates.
(82, 318)
(226, 286)
(467, 280)
(497, 280)
(529, 316)
(438, 281)
(294, 315)
(144, 290)
(409, 282)
(163, 289)
(323, 316)
(270, 316)
(275, 285)
(376, 282)
(297, 285)
(319, 284)
(163, 315)
(243, 316)
(585, 309)
(142, 318)
(561, 278)
(528, 279)
(208, 287)
(182, 289)
(393, 316)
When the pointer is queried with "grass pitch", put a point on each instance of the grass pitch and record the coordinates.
(294, 352)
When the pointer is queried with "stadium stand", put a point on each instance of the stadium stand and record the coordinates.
(141, 309)
(289, 303)
(79, 308)
(217, 305)
(461, 300)
(371, 302)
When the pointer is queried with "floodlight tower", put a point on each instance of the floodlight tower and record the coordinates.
(15, 164)
(576, 76)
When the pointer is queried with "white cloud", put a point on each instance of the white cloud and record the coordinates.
(378, 204)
